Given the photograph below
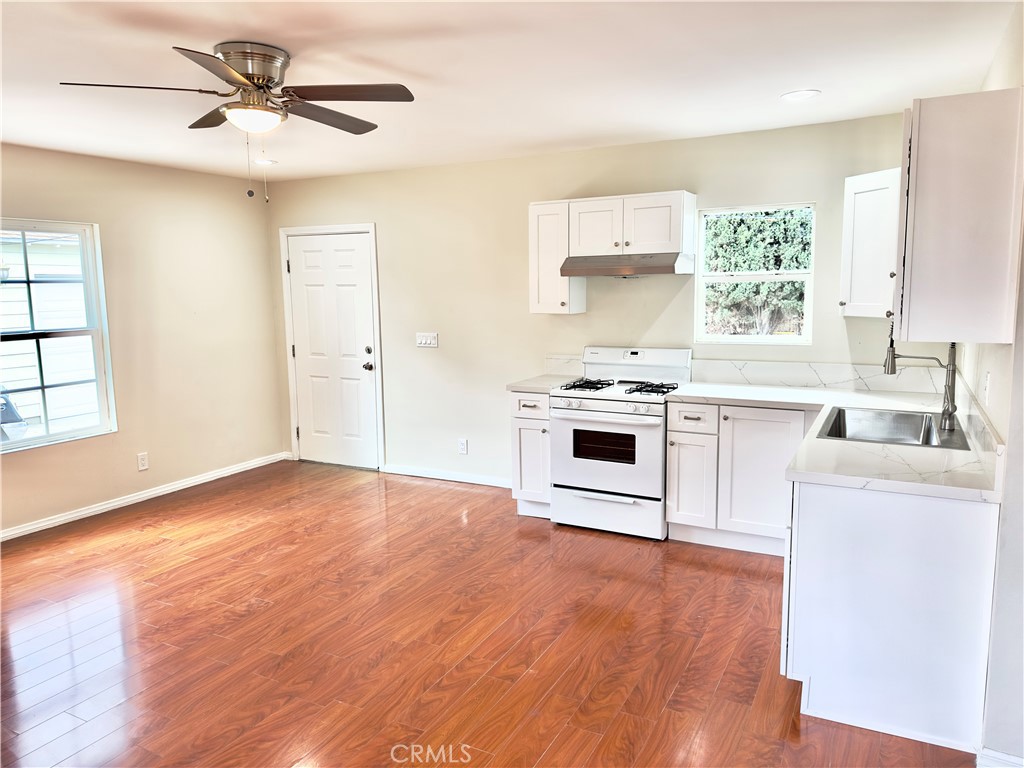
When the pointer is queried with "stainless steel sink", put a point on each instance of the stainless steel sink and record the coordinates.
(893, 427)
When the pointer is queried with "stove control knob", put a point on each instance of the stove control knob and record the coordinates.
(566, 403)
(576, 404)
(631, 407)
(645, 409)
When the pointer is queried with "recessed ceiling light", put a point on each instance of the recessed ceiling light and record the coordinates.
(801, 95)
(264, 161)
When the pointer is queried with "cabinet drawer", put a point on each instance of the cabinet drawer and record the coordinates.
(526, 405)
(693, 417)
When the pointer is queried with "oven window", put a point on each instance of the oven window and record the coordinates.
(604, 446)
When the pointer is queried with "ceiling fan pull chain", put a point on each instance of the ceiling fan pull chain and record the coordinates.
(263, 154)
(248, 167)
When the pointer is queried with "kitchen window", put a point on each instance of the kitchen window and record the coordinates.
(55, 382)
(753, 276)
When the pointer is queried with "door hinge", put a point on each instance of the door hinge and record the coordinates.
(288, 265)
(293, 350)
(296, 433)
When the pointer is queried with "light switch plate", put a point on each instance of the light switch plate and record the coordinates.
(426, 339)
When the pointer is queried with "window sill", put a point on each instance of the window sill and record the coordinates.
(757, 341)
(43, 442)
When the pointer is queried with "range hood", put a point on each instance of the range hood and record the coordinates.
(627, 265)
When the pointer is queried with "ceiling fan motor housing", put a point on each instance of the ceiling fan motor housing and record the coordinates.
(262, 65)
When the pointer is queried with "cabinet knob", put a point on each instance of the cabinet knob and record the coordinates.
(842, 303)
(889, 313)
(561, 303)
(615, 244)
(892, 274)
(671, 442)
(626, 243)
(544, 431)
(725, 418)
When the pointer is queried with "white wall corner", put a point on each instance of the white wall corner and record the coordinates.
(989, 758)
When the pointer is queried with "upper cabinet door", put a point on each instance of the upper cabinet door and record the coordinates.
(871, 209)
(963, 228)
(551, 293)
(652, 223)
(595, 227)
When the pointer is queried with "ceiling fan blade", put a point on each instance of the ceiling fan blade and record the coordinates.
(211, 119)
(145, 87)
(378, 92)
(330, 117)
(216, 66)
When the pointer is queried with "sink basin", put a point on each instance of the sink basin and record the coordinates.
(892, 427)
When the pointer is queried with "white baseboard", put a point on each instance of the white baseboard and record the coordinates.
(437, 474)
(989, 758)
(133, 498)
(746, 542)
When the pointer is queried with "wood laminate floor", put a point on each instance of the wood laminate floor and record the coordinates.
(309, 615)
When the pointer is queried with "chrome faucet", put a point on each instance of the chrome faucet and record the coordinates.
(947, 421)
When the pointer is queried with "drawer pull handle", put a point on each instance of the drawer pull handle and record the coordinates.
(527, 405)
(693, 418)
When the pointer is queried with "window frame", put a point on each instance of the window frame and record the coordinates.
(701, 278)
(95, 328)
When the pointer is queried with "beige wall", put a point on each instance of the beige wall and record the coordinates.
(452, 250)
(189, 302)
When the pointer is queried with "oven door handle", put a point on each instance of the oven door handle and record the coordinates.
(609, 418)
(603, 497)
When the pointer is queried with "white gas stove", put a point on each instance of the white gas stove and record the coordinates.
(608, 440)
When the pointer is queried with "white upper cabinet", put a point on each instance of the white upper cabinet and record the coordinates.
(661, 222)
(867, 275)
(595, 227)
(962, 223)
(652, 223)
(549, 243)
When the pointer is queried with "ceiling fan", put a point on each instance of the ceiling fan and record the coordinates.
(254, 70)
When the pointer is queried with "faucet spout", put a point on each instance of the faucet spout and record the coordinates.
(947, 421)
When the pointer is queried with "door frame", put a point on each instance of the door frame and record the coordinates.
(289, 330)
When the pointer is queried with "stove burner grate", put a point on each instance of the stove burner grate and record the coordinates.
(650, 388)
(588, 385)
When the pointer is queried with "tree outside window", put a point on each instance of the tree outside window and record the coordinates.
(754, 274)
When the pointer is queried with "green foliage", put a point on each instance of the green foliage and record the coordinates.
(756, 241)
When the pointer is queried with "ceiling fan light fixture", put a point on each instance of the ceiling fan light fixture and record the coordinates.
(253, 118)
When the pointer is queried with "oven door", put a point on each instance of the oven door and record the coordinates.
(611, 452)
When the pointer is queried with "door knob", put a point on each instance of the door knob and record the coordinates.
(368, 366)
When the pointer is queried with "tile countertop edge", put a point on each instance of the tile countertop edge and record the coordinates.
(921, 471)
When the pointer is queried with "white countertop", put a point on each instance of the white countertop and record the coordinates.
(542, 384)
(925, 471)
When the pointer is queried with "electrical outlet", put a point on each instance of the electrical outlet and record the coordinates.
(426, 339)
(463, 446)
(143, 460)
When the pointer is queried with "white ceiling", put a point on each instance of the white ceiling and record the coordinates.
(491, 80)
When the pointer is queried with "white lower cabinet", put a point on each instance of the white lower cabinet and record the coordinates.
(691, 486)
(888, 610)
(726, 468)
(531, 454)
(755, 447)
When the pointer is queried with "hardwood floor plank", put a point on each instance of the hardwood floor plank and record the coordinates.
(669, 740)
(571, 748)
(305, 614)
(622, 742)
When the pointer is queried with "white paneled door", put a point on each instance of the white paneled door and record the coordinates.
(335, 354)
